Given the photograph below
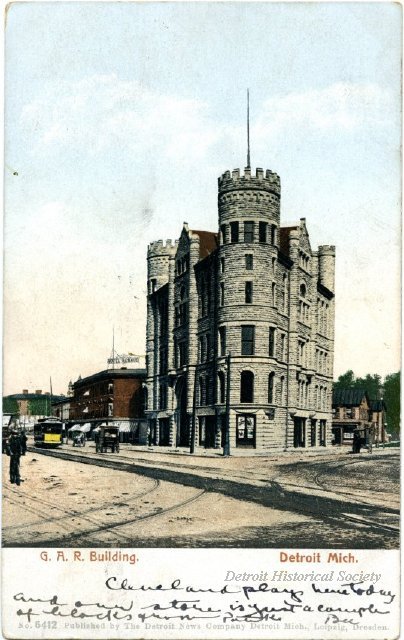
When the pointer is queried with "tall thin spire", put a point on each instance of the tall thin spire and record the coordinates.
(248, 129)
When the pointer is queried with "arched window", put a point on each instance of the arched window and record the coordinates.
(271, 381)
(247, 386)
(303, 290)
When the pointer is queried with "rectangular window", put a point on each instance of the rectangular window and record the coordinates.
(207, 339)
(273, 234)
(248, 232)
(182, 347)
(202, 391)
(271, 379)
(249, 261)
(163, 360)
(222, 341)
(313, 433)
(248, 292)
(221, 301)
(323, 436)
(163, 397)
(201, 349)
(271, 349)
(282, 349)
(263, 227)
(221, 265)
(223, 232)
(247, 340)
(234, 231)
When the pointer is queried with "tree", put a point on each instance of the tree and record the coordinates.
(372, 383)
(345, 381)
(10, 405)
(392, 399)
(39, 406)
(389, 390)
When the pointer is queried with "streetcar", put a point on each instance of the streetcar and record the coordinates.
(48, 432)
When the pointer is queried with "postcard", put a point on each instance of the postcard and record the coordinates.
(201, 385)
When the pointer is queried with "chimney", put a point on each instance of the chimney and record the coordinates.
(25, 390)
(38, 392)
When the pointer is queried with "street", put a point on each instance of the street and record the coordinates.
(74, 497)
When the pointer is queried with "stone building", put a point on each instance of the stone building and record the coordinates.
(240, 328)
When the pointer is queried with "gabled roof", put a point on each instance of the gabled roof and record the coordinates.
(208, 242)
(348, 397)
(378, 405)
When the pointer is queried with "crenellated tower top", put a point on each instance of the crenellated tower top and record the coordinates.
(162, 248)
(262, 181)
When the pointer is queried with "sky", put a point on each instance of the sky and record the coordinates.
(119, 118)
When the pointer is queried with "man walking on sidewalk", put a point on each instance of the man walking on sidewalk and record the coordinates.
(14, 450)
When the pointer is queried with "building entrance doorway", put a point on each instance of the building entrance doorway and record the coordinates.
(210, 432)
(338, 436)
(152, 432)
(299, 432)
(164, 440)
(182, 418)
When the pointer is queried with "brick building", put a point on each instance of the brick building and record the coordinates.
(113, 395)
(30, 406)
(240, 328)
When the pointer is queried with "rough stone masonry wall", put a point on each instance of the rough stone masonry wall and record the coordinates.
(159, 255)
(256, 199)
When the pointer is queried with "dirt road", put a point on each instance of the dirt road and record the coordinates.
(147, 499)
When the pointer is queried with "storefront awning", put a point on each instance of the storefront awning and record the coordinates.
(75, 427)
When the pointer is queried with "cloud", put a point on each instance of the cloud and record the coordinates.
(102, 112)
(337, 108)
(136, 126)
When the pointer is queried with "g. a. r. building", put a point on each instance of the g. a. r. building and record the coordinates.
(240, 328)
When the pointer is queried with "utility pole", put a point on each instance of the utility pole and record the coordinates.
(193, 425)
(226, 448)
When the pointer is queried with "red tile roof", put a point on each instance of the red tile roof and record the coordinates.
(208, 242)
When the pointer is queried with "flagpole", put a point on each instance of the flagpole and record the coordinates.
(50, 404)
(113, 348)
(248, 129)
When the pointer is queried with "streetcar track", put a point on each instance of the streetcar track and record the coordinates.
(277, 496)
(125, 523)
(107, 527)
(73, 513)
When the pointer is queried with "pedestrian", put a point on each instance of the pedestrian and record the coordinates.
(23, 438)
(14, 451)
